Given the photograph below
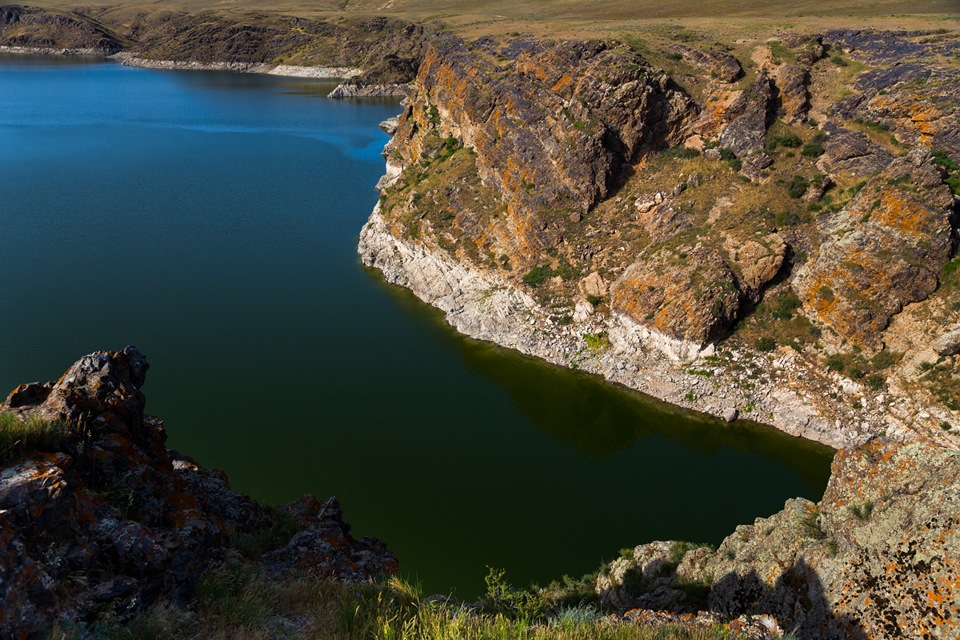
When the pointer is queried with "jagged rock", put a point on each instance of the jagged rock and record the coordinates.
(873, 559)
(948, 344)
(793, 97)
(852, 155)
(754, 164)
(757, 259)
(110, 521)
(593, 285)
(325, 547)
(884, 250)
(915, 101)
(389, 126)
(551, 136)
(722, 65)
(748, 118)
(809, 48)
(687, 293)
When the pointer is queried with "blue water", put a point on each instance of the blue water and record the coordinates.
(211, 219)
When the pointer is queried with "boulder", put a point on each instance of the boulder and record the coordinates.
(883, 251)
(748, 117)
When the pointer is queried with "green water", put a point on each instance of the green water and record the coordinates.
(211, 219)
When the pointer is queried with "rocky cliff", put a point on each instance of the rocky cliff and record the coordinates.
(98, 519)
(876, 558)
(741, 241)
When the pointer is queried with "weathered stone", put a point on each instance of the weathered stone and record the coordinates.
(948, 344)
(687, 293)
(873, 559)
(593, 285)
(852, 155)
(748, 118)
(718, 64)
(792, 96)
(757, 259)
(883, 251)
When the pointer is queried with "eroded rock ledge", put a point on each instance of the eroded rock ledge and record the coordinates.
(877, 557)
(106, 521)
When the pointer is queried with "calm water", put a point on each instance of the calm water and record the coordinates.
(211, 219)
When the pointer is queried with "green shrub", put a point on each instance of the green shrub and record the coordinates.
(681, 152)
(813, 149)
(943, 160)
(537, 275)
(875, 381)
(19, 435)
(786, 304)
(789, 140)
(765, 343)
(837, 60)
(797, 186)
(835, 363)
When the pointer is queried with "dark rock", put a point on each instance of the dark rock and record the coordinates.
(112, 522)
(875, 47)
(27, 394)
(853, 155)
(720, 64)
(748, 118)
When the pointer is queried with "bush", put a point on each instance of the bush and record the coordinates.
(537, 275)
(765, 343)
(943, 160)
(797, 186)
(785, 306)
(813, 149)
(681, 152)
(835, 363)
(789, 140)
(837, 60)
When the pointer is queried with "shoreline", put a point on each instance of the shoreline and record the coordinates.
(781, 389)
(285, 70)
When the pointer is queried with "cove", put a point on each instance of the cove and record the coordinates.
(211, 219)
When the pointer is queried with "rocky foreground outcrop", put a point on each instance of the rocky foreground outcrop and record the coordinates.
(877, 557)
(107, 521)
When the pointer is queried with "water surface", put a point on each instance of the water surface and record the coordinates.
(211, 219)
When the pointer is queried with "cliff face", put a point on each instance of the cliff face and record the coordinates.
(542, 192)
(104, 520)
(550, 130)
(876, 558)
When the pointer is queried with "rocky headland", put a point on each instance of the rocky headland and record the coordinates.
(727, 237)
(98, 517)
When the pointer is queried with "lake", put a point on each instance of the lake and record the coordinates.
(211, 219)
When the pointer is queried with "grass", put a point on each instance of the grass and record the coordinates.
(237, 601)
(21, 434)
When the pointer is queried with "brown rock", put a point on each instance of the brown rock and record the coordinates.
(757, 259)
(687, 293)
(792, 95)
(883, 251)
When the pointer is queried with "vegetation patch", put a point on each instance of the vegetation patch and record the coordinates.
(22, 434)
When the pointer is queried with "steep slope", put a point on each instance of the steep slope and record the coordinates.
(570, 200)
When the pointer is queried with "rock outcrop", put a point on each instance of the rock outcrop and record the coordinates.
(883, 251)
(552, 127)
(106, 520)
(875, 558)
